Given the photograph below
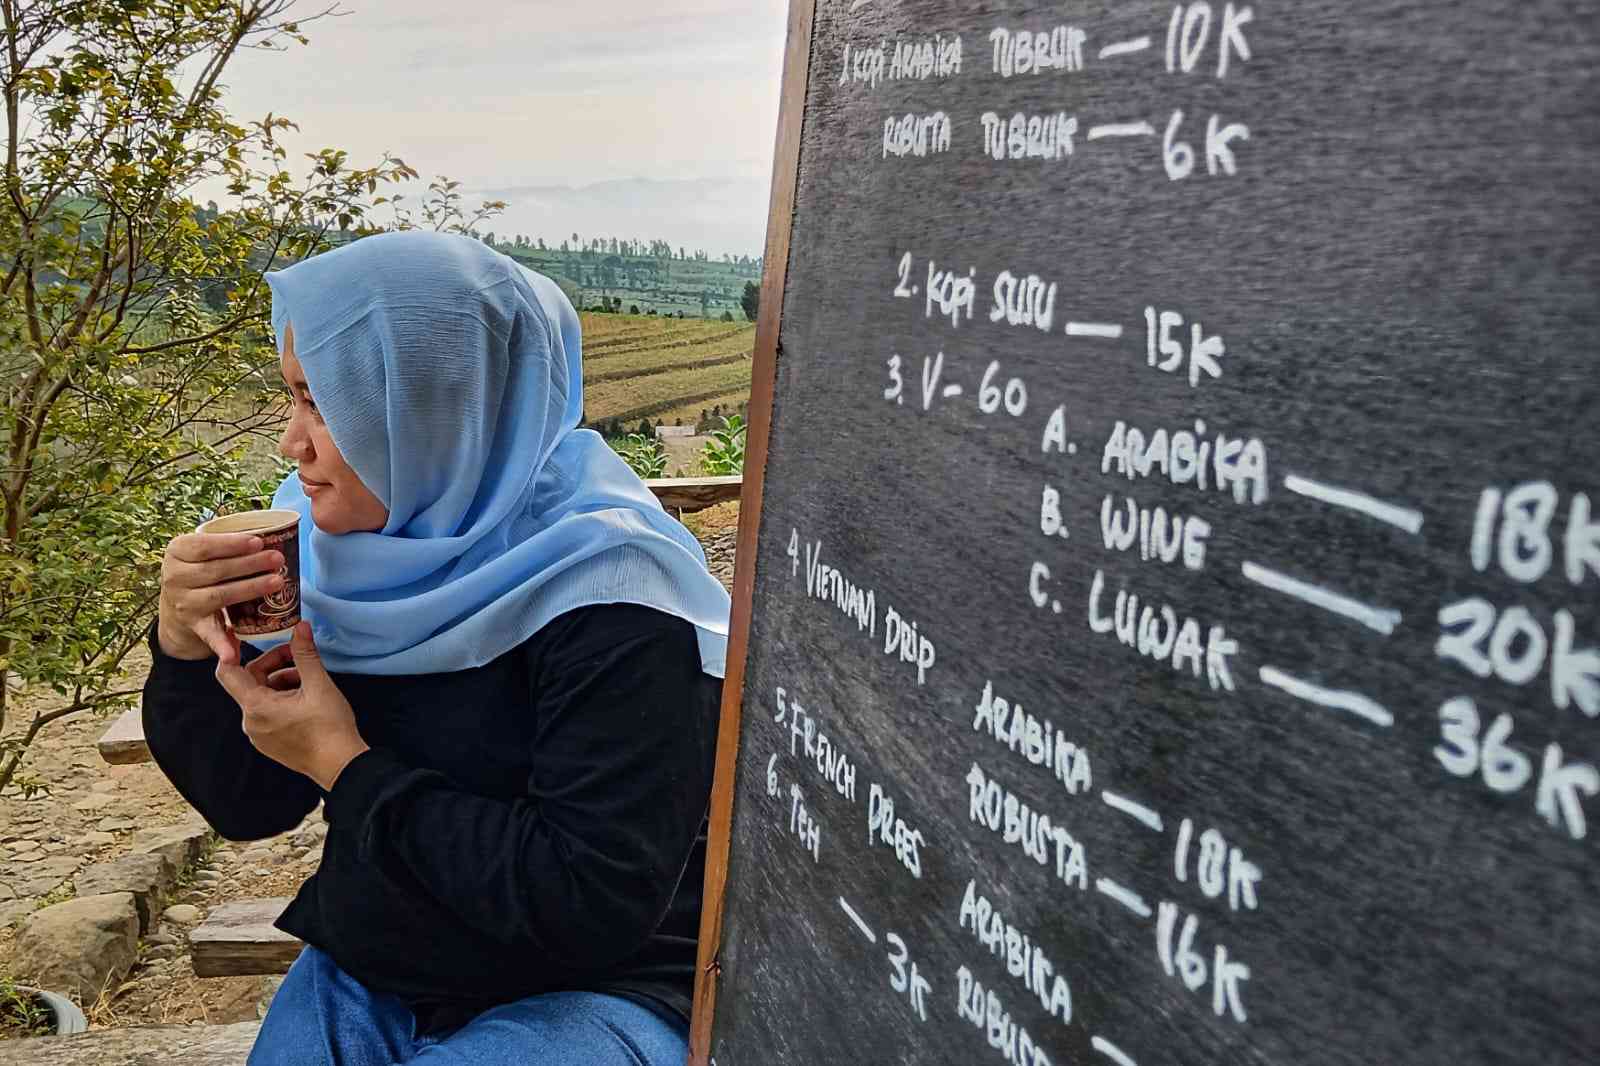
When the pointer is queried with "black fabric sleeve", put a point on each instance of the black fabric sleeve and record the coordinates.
(581, 870)
(194, 731)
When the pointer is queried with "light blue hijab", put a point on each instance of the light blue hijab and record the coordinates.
(450, 379)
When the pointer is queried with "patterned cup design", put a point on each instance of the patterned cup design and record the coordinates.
(276, 612)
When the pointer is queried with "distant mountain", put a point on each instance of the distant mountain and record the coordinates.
(717, 215)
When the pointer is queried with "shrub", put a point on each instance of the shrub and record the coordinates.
(724, 452)
(645, 456)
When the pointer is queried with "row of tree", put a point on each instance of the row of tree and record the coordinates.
(715, 418)
(595, 247)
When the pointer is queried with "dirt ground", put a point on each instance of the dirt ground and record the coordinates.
(92, 809)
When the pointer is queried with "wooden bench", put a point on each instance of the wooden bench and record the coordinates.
(124, 741)
(239, 938)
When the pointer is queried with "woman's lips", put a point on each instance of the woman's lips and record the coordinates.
(312, 486)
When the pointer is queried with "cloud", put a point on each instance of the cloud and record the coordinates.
(718, 215)
(547, 92)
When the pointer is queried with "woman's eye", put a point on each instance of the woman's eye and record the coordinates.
(294, 398)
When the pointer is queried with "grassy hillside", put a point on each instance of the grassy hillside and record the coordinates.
(641, 366)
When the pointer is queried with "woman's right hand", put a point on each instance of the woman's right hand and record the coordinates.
(202, 573)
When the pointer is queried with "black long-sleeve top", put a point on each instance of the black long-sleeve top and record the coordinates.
(532, 825)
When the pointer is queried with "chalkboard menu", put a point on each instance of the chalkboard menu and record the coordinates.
(1168, 626)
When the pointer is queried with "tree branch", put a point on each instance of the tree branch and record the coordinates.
(227, 327)
(79, 703)
(19, 478)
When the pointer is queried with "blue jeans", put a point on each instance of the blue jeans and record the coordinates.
(321, 1016)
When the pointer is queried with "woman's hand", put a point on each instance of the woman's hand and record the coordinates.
(202, 573)
(293, 712)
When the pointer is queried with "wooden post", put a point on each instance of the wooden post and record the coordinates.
(780, 217)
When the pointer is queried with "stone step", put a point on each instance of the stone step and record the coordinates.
(146, 1045)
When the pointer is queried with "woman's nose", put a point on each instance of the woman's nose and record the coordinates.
(292, 444)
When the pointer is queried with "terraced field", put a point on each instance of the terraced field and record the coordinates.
(639, 366)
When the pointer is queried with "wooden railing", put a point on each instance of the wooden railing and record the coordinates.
(679, 494)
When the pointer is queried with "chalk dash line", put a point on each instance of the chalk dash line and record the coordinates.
(854, 917)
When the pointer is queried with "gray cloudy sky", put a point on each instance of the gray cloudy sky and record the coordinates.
(520, 99)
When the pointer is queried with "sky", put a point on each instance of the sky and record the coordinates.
(625, 118)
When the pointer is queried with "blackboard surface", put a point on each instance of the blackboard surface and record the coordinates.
(1175, 628)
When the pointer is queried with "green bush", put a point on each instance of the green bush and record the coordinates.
(724, 452)
(645, 456)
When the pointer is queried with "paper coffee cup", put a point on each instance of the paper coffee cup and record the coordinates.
(277, 613)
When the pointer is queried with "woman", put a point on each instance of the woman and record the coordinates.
(508, 707)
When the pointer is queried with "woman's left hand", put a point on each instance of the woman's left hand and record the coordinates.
(293, 712)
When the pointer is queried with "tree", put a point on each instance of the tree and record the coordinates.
(136, 359)
(751, 300)
(727, 316)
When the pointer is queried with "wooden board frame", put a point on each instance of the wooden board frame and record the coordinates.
(780, 219)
